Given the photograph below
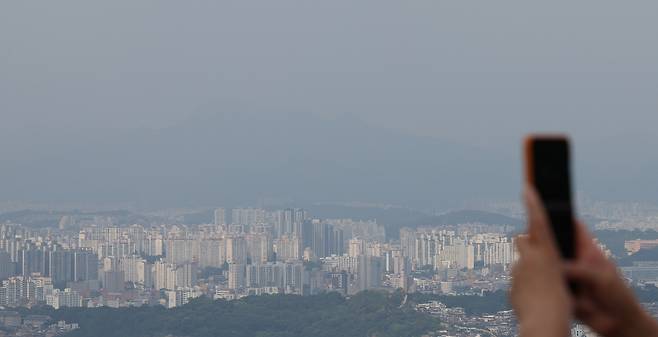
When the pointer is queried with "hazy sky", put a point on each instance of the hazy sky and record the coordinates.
(474, 73)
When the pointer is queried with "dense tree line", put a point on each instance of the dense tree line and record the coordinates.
(327, 315)
(614, 239)
(642, 255)
(367, 314)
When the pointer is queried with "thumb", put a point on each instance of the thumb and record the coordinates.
(582, 274)
(539, 229)
(523, 244)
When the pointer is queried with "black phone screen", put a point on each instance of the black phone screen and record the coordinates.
(553, 183)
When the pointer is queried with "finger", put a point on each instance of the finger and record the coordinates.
(583, 237)
(522, 243)
(584, 308)
(587, 312)
(587, 249)
(538, 223)
(582, 274)
(584, 240)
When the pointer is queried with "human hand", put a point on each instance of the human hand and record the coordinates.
(603, 301)
(539, 292)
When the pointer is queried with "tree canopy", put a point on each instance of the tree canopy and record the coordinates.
(326, 315)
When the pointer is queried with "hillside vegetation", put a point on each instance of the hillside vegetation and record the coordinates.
(327, 315)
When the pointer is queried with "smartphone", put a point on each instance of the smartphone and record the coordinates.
(548, 170)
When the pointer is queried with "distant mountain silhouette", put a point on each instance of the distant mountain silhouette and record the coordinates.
(236, 158)
(470, 216)
(41, 218)
(388, 216)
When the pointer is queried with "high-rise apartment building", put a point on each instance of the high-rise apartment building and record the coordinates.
(212, 252)
(370, 272)
(236, 276)
(236, 249)
(64, 298)
(186, 275)
(287, 248)
(164, 275)
(247, 216)
(220, 217)
(7, 267)
(181, 250)
(259, 247)
(357, 247)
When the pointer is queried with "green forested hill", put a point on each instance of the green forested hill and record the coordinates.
(328, 315)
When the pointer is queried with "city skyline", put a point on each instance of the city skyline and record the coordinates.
(255, 252)
(105, 259)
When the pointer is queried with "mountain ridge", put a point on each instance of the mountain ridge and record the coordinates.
(236, 158)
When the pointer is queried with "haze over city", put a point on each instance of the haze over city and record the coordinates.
(327, 168)
(415, 104)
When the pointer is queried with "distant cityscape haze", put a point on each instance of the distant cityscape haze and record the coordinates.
(357, 162)
(418, 104)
